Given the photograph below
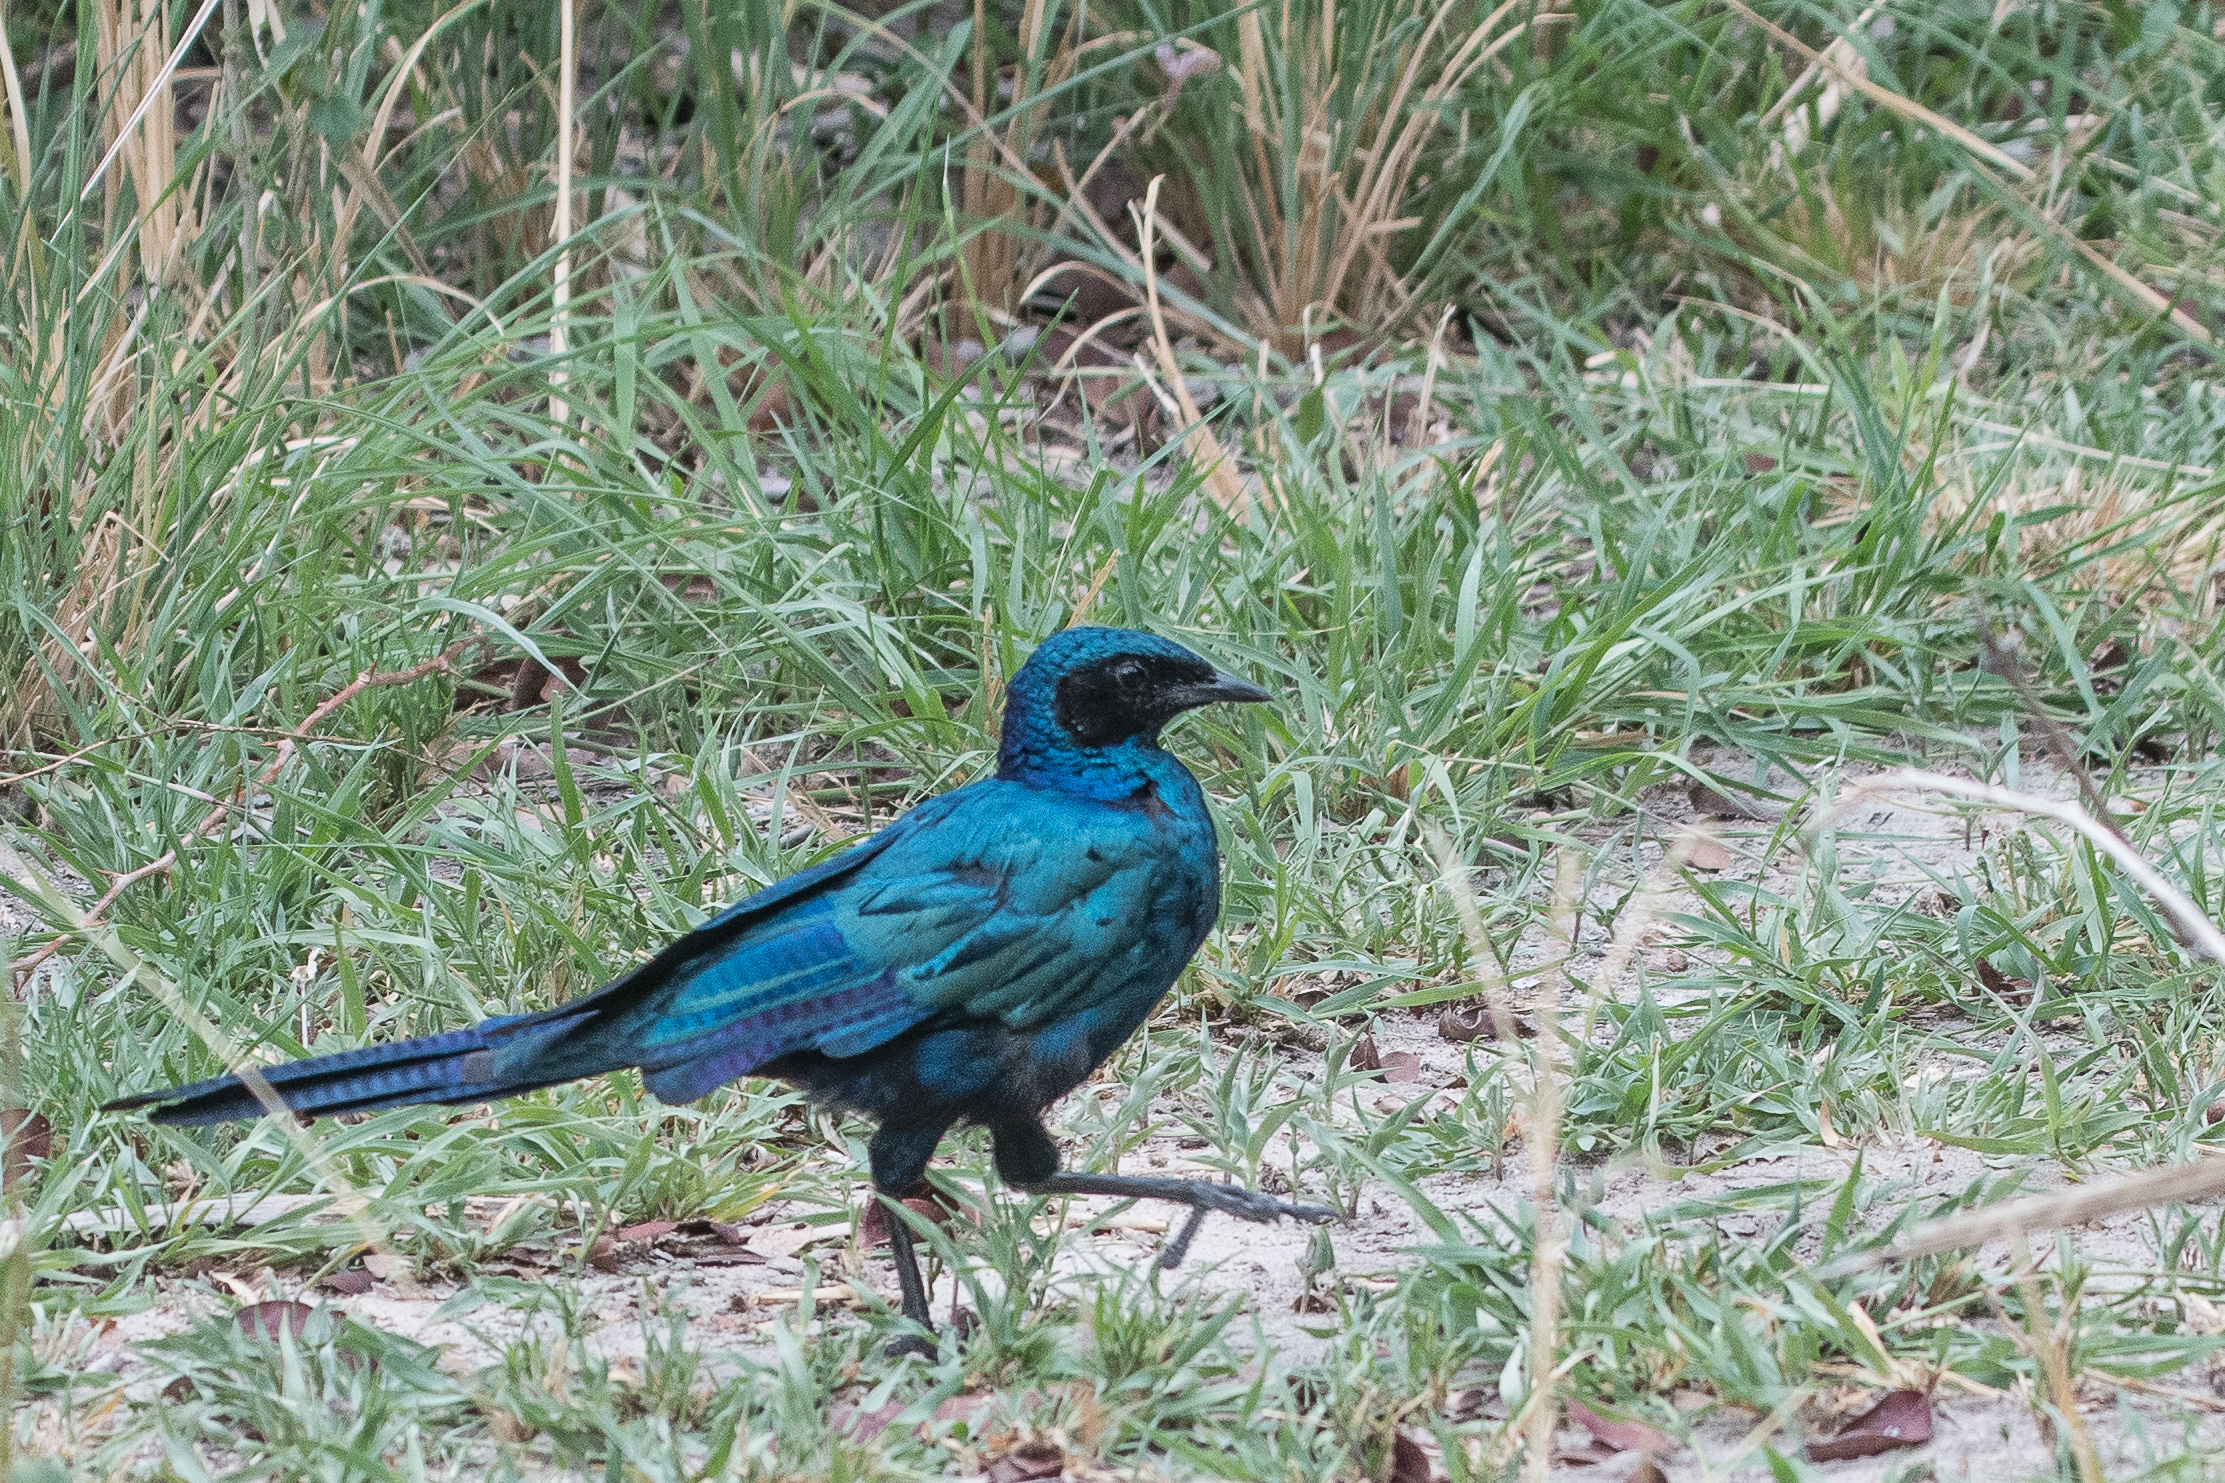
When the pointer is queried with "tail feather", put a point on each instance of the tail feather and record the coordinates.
(461, 1066)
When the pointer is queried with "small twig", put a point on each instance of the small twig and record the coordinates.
(60, 762)
(288, 746)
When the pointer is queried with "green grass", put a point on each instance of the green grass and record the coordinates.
(1731, 448)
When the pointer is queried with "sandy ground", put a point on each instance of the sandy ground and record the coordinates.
(1999, 1437)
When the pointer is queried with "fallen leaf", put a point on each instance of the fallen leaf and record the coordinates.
(350, 1282)
(1712, 803)
(1186, 59)
(1901, 1418)
(962, 1408)
(269, 1320)
(28, 1136)
(1623, 1436)
(1480, 1022)
(1648, 1471)
(729, 1256)
(1364, 1056)
(2015, 990)
(603, 1255)
(1409, 1464)
(1710, 854)
(865, 1425)
(387, 1268)
(1402, 1066)
(873, 1226)
(1035, 1460)
(2200, 1315)
(1589, 1453)
(787, 1240)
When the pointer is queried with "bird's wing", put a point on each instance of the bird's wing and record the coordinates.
(1001, 903)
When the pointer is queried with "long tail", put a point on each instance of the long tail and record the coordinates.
(461, 1066)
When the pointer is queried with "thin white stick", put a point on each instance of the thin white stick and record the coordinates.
(2196, 931)
(567, 76)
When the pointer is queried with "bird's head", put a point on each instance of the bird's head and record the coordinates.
(1092, 688)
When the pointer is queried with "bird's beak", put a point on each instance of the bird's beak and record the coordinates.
(1221, 687)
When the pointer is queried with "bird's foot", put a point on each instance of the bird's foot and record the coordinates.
(1200, 1195)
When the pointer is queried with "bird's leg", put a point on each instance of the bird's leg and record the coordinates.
(910, 1284)
(899, 1157)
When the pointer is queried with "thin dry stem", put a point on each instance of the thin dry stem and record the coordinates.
(1221, 479)
(1543, 1138)
(560, 289)
(2174, 1184)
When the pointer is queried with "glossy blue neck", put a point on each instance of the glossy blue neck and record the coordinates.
(1038, 751)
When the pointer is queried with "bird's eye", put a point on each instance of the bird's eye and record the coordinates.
(1127, 672)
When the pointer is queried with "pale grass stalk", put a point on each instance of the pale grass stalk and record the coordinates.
(158, 85)
(2169, 1185)
(19, 122)
(2196, 931)
(1543, 1138)
(1808, 75)
(1220, 476)
(990, 261)
(2173, 1184)
(560, 291)
(1539, 1414)
(1417, 426)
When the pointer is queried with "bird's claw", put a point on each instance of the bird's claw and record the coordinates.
(1251, 1205)
(911, 1344)
(1242, 1203)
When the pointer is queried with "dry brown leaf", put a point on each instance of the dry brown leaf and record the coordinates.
(28, 1136)
(1409, 1463)
(269, 1320)
(1401, 1066)
(1622, 1436)
(1710, 854)
(1901, 1418)
(1028, 1464)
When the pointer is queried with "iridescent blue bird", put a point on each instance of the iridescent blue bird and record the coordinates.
(971, 963)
